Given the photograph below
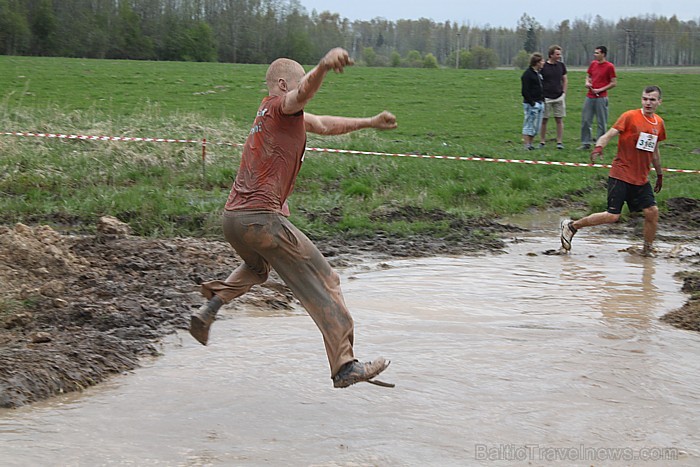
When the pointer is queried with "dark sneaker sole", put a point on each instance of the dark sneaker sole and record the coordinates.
(360, 379)
(199, 330)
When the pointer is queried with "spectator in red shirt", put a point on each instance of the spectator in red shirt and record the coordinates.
(600, 78)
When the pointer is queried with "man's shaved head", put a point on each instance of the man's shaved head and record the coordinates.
(283, 68)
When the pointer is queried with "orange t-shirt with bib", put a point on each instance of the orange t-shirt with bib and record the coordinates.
(639, 137)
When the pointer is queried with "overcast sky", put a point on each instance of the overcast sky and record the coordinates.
(504, 13)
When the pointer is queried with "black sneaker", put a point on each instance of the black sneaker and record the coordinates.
(201, 320)
(357, 372)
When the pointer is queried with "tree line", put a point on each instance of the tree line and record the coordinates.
(258, 31)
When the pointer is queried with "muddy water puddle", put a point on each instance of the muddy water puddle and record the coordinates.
(509, 359)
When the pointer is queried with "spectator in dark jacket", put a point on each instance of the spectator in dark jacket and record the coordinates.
(533, 99)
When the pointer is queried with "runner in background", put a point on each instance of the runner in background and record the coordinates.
(639, 133)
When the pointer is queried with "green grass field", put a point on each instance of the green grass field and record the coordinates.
(163, 189)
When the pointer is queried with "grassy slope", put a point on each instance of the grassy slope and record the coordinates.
(159, 188)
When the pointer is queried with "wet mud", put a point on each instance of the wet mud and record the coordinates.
(76, 309)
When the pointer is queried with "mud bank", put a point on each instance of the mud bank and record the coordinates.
(75, 309)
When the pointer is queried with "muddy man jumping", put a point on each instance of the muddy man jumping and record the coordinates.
(255, 215)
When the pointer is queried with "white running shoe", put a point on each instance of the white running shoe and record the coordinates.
(567, 233)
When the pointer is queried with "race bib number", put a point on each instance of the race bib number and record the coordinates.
(647, 142)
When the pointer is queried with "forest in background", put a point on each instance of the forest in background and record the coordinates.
(258, 31)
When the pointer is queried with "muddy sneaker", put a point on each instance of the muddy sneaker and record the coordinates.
(567, 233)
(648, 251)
(201, 320)
(356, 372)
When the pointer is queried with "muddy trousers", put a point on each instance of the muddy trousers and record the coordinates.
(264, 240)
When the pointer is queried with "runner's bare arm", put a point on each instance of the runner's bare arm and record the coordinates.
(602, 142)
(336, 59)
(332, 125)
(656, 159)
(656, 163)
(605, 139)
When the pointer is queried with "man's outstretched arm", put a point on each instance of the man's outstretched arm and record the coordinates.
(333, 125)
(336, 59)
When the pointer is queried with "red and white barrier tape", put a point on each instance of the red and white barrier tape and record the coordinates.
(100, 138)
(483, 159)
(204, 143)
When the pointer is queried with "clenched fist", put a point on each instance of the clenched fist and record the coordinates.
(384, 121)
(336, 59)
